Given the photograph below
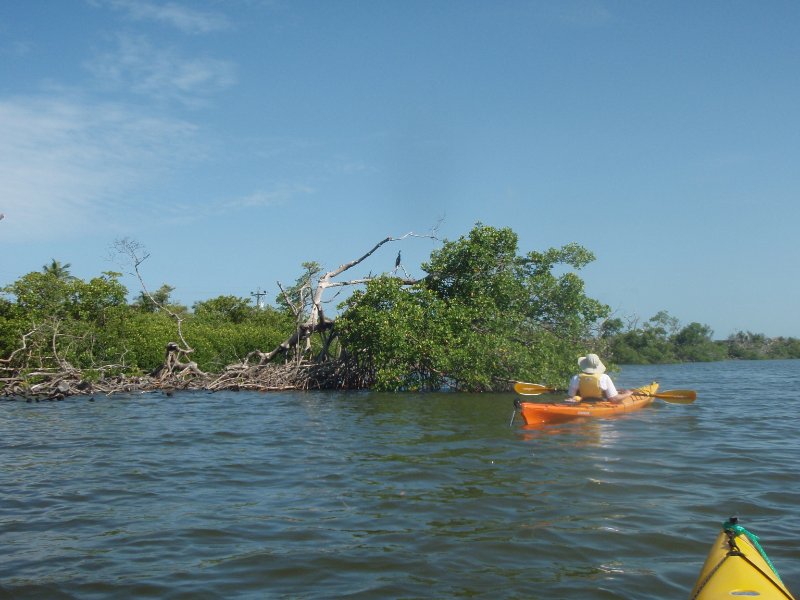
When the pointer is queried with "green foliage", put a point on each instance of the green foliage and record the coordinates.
(484, 316)
(383, 329)
(63, 318)
(748, 345)
(782, 347)
(753, 346)
(693, 343)
(650, 344)
(58, 270)
(139, 339)
(297, 297)
(40, 295)
(94, 301)
(663, 340)
(89, 325)
(230, 309)
(10, 327)
(162, 297)
(219, 342)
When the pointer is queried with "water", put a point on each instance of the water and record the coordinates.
(362, 495)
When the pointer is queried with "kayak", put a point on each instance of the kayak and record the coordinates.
(737, 567)
(538, 413)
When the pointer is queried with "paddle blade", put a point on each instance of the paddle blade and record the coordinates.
(677, 396)
(531, 389)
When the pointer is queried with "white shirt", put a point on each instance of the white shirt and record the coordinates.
(605, 384)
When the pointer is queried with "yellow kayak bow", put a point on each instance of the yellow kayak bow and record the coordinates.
(737, 567)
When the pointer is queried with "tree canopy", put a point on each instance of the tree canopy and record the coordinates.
(483, 315)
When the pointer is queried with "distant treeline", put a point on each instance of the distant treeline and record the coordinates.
(663, 340)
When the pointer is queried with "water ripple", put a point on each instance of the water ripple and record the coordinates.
(321, 495)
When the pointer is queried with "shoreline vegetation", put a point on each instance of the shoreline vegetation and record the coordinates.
(482, 316)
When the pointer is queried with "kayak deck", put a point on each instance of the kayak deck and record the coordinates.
(538, 413)
(737, 567)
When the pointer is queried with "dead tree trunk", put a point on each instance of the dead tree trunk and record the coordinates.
(172, 358)
(316, 320)
(174, 366)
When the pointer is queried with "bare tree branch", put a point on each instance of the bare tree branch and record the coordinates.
(137, 254)
(316, 321)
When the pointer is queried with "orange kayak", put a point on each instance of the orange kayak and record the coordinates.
(538, 413)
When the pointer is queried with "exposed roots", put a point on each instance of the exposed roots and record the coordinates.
(174, 374)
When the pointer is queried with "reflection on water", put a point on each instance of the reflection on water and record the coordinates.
(320, 495)
(581, 431)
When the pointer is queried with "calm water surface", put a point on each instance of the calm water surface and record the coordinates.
(362, 495)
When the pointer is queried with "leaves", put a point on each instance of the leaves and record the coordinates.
(62, 320)
(483, 316)
(661, 340)
(225, 308)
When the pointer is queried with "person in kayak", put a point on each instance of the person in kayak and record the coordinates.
(592, 383)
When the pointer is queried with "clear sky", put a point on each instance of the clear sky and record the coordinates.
(236, 139)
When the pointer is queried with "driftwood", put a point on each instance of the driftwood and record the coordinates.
(175, 373)
(173, 366)
(53, 385)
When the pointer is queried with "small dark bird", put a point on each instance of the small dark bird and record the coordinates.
(397, 260)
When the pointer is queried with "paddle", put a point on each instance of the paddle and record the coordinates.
(531, 389)
(673, 396)
(676, 396)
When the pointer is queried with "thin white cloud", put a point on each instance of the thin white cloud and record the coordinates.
(135, 65)
(283, 194)
(586, 13)
(13, 43)
(172, 14)
(64, 164)
(16, 48)
(340, 164)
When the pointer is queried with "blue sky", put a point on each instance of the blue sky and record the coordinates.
(235, 139)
